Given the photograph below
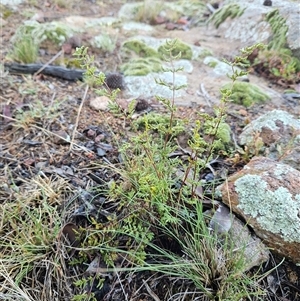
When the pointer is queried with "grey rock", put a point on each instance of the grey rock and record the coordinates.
(220, 68)
(255, 251)
(251, 247)
(150, 86)
(278, 134)
(132, 26)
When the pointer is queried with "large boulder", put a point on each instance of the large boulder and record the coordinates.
(266, 194)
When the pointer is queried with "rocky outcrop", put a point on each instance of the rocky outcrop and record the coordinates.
(249, 25)
(266, 194)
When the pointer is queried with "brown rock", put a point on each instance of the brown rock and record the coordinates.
(267, 195)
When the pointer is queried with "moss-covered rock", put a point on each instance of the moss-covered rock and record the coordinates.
(141, 66)
(140, 48)
(223, 135)
(246, 94)
(180, 48)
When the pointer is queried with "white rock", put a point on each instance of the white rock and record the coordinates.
(100, 103)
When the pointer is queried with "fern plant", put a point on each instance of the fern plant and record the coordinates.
(159, 207)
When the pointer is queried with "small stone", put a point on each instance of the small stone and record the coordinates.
(141, 105)
(100, 103)
(267, 3)
(123, 104)
(75, 41)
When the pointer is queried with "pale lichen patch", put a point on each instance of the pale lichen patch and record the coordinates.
(280, 171)
(276, 211)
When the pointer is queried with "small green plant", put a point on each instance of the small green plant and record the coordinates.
(231, 10)
(55, 32)
(25, 50)
(247, 94)
(84, 284)
(158, 206)
(36, 113)
(279, 64)
(279, 29)
(91, 76)
(179, 49)
(140, 48)
(141, 66)
(105, 43)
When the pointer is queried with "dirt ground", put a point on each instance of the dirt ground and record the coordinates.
(30, 147)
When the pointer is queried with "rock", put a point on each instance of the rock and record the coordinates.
(246, 22)
(220, 68)
(254, 251)
(151, 87)
(277, 135)
(266, 194)
(132, 26)
(100, 103)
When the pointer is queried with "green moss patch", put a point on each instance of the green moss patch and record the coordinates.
(223, 134)
(140, 48)
(246, 94)
(181, 48)
(141, 66)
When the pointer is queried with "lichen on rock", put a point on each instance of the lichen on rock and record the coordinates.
(275, 210)
(273, 121)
